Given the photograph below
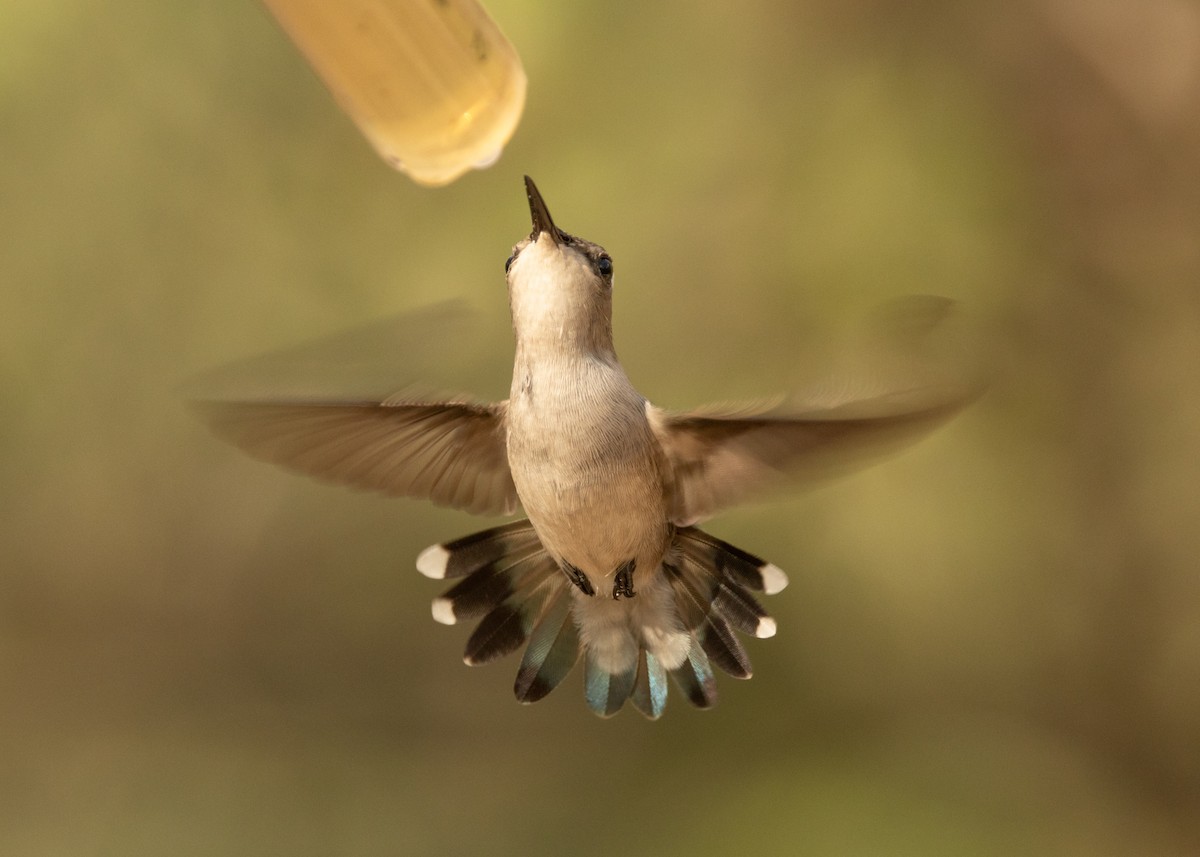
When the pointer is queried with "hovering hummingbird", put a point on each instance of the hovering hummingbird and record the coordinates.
(608, 563)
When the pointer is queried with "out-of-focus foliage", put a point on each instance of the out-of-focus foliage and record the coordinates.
(991, 644)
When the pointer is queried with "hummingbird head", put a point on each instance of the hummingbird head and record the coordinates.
(559, 286)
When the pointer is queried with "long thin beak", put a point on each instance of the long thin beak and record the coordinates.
(542, 221)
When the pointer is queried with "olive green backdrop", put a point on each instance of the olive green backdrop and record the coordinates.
(991, 644)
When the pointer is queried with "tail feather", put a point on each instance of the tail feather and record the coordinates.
(696, 588)
(470, 553)
(649, 695)
(724, 649)
(731, 563)
(492, 583)
(507, 580)
(741, 610)
(552, 651)
(695, 678)
(500, 632)
(509, 624)
(606, 692)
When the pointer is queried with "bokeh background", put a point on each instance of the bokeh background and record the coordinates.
(991, 644)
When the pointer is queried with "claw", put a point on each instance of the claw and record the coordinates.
(577, 577)
(623, 584)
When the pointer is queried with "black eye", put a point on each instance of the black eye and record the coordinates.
(508, 262)
(604, 266)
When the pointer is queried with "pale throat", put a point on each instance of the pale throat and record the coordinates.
(553, 306)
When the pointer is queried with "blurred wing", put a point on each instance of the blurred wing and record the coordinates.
(452, 453)
(719, 459)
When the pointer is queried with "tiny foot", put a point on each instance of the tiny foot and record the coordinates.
(577, 577)
(623, 585)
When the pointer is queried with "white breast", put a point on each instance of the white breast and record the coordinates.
(586, 466)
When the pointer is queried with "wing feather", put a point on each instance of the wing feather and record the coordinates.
(719, 459)
(452, 453)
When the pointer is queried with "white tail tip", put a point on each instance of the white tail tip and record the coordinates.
(443, 611)
(432, 561)
(774, 580)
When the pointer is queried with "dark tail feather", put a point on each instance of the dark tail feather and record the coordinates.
(724, 649)
(552, 651)
(507, 578)
(649, 694)
(492, 583)
(696, 590)
(710, 579)
(732, 572)
(742, 611)
(501, 631)
(471, 553)
(731, 564)
(695, 678)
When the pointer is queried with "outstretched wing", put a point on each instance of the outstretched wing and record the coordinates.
(452, 453)
(719, 459)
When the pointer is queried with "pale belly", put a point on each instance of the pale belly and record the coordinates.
(597, 521)
(590, 474)
(597, 524)
(592, 489)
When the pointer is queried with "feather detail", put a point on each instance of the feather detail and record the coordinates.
(606, 692)
(509, 624)
(649, 695)
(710, 579)
(552, 651)
(694, 585)
(695, 678)
(470, 553)
(731, 563)
(501, 631)
(506, 577)
(696, 588)
(450, 452)
(488, 586)
(741, 610)
(724, 648)
(718, 460)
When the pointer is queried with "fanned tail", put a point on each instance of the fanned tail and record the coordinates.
(725, 573)
(552, 651)
(730, 563)
(696, 590)
(509, 580)
(682, 623)
(711, 580)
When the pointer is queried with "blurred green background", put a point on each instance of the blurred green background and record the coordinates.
(991, 644)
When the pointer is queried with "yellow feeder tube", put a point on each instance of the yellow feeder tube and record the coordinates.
(433, 84)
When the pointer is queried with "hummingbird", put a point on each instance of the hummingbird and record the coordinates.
(608, 564)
